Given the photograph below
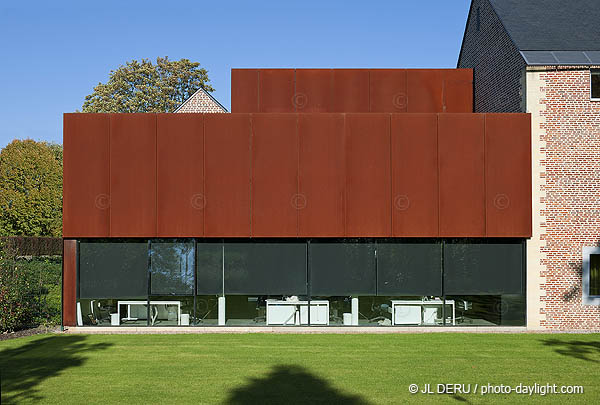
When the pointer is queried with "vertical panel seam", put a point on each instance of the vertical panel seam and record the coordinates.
(257, 90)
(391, 199)
(345, 207)
(109, 178)
(485, 190)
(439, 196)
(369, 89)
(204, 174)
(251, 151)
(297, 172)
(155, 174)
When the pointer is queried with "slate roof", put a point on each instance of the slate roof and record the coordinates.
(553, 32)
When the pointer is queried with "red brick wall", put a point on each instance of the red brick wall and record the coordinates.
(572, 171)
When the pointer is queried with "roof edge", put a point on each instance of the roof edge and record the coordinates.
(205, 92)
(506, 30)
(462, 43)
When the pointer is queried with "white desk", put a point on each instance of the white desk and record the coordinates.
(296, 312)
(130, 303)
(413, 311)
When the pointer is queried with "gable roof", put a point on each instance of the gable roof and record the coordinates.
(206, 93)
(553, 32)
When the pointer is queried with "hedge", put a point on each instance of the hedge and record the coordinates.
(32, 246)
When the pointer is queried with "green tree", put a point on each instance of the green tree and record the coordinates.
(31, 189)
(141, 86)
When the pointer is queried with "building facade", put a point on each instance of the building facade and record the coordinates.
(527, 57)
(372, 197)
(201, 102)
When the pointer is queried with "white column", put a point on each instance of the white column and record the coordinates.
(355, 311)
(221, 303)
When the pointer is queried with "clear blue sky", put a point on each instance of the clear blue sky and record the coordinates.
(53, 55)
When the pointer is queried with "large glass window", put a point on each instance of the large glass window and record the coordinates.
(475, 268)
(209, 259)
(277, 268)
(113, 283)
(408, 282)
(172, 268)
(487, 310)
(342, 268)
(409, 268)
(113, 269)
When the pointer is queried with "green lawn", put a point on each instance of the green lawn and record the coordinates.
(292, 369)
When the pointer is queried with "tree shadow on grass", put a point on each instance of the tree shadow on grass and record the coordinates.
(23, 368)
(575, 348)
(290, 385)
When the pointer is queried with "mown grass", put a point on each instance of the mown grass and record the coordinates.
(292, 369)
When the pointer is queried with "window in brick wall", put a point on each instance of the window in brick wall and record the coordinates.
(591, 276)
(595, 87)
(594, 275)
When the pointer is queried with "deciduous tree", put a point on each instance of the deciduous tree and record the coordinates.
(31, 189)
(141, 86)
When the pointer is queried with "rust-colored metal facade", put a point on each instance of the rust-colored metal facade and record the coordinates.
(508, 156)
(368, 187)
(69, 281)
(297, 175)
(415, 181)
(321, 198)
(274, 175)
(352, 90)
(133, 153)
(461, 144)
(227, 175)
(179, 175)
(86, 178)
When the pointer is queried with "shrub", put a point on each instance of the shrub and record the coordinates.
(30, 292)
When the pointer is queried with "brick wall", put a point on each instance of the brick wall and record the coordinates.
(200, 102)
(570, 135)
(498, 66)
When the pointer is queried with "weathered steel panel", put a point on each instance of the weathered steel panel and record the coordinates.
(132, 175)
(228, 156)
(350, 90)
(461, 168)
(322, 177)
(69, 282)
(274, 175)
(368, 181)
(425, 90)
(180, 175)
(244, 90)
(414, 175)
(508, 175)
(276, 90)
(313, 90)
(458, 91)
(86, 182)
(387, 89)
